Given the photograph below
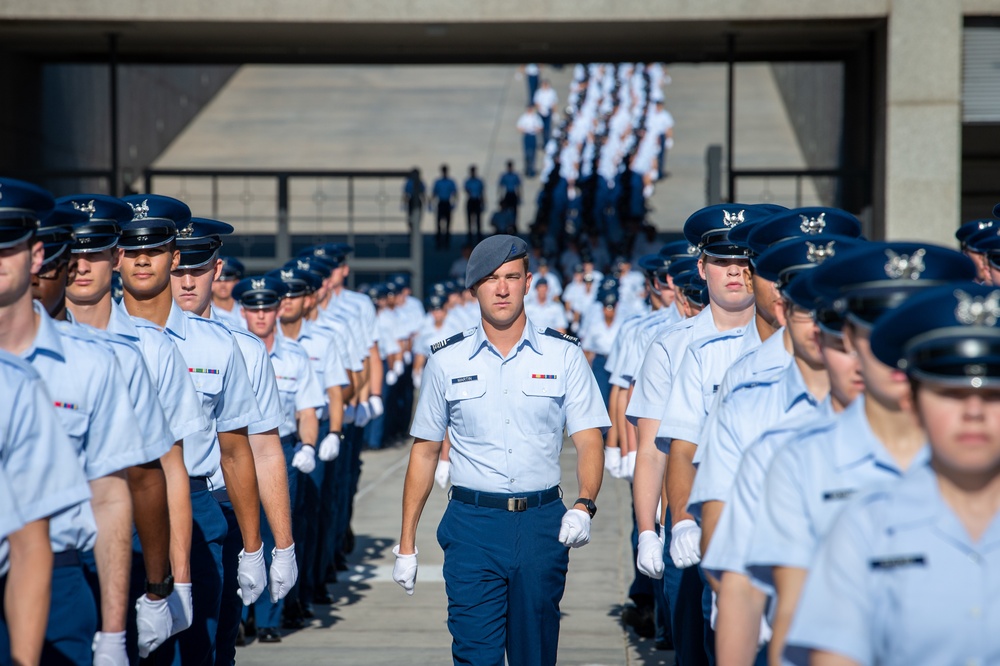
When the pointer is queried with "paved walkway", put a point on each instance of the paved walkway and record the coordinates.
(373, 622)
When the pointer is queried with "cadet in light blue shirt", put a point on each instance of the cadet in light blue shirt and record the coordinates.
(907, 573)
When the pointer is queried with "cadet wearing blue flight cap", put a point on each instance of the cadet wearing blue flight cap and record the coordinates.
(973, 247)
(874, 441)
(924, 540)
(974, 228)
(225, 307)
(217, 368)
(797, 222)
(506, 476)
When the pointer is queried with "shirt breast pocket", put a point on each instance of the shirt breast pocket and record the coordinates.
(208, 386)
(542, 411)
(287, 384)
(76, 423)
(468, 410)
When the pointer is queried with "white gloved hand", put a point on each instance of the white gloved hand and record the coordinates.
(669, 143)
(662, 535)
(152, 619)
(442, 472)
(765, 631)
(408, 357)
(284, 572)
(404, 571)
(623, 467)
(350, 413)
(304, 459)
(109, 649)
(391, 377)
(363, 415)
(376, 406)
(417, 377)
(713, 615)
(398, 366)
(251, 575)
(574, 531)
(649, 558)
(629, 463)
(685, 544)
(181, 605)
(612, 460)
(329, 448)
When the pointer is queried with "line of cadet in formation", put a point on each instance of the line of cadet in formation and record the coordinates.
(171, 468)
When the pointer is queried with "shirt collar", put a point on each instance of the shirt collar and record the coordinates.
(856, 441)
(177, 323)
(47, 338)
(529, 338)
(279, 345)
(121, 323)
(794, 387)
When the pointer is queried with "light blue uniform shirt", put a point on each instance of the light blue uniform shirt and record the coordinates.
(338, 333)
(598, 336)
(92, 403)
(731, 540)
(216, 366)
(761, 362)
(297, 385)
(261, 376)
(324, 355)
(429, 334)
(899, 581)
(548, 314)
(41, 475)
(178, 399)
(366, 309)
(505, 416)
(744, 414)
(660, 363)
(808, 485)
(348, 318)
(649, 328)
(232, 318)
(625, 334)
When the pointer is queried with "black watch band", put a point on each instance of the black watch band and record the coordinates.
(589, 503)
(161, 589)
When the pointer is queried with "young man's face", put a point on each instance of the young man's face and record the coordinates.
(887, 385)
(292, 309)
(146, 273)
(804, 332)
(843, 367)
(223, 289)
(261, 322)
(90, 276)
(963, 427)
(17, 265)
(501, 295)
(192, 287)
(49, 286)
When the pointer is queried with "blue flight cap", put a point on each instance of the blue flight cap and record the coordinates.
(693, 287)
(651, 263)
(682, 266)
(740, 232)
(106, 215)
(435, 302)
(991, 248)
(232, 269)
(439, 289)
(709, 228)
(679, 249)
(259, 293)
(322, 252)
(541, 282)
(608, 297)
(297, 281)
(783, 261)
(155, 220)
(974, 226)
(401, 280)
(319, 265)
(492, 253)
(21, 206)
(798, 222)
(875, 277)
(974, 241)
(949, 335)
(55, 231)
(199, 241)
(996, 210)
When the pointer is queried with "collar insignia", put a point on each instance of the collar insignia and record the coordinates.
(258, 283)
(978, 310)
(817, 254)
(813, 225)
(87, 208)
(140, 211)
(906, 266)
(187, 231)
(731, 220)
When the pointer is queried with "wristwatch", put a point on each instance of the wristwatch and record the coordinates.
(589, 503)
(161, 589)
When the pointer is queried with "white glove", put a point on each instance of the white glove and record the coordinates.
(649, 558)
(376, 406)
(575, 529)
(252, 576)
(713, 615)
(629, 464)
(623, 467)
(363, 415)
(284, 572)
(152, 619)
(398, 366)
(404, 571)
(408, 357)
(669, 143)
(391, 377)
(349, 414)
(685, 544)
(765, 631)
(109, 649)
(612, 460)
(442, 472)
(662, 535)
(329, 448)
(304, 459)
(181, 605)
(417, 376)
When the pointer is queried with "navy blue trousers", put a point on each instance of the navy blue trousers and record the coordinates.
(230, 606)
(684, 591)
(505, 574)
(268, 613)
(312, 519)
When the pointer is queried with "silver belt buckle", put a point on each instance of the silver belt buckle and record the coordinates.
(517, 503)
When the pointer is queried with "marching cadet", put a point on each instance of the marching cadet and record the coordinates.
(147, 255)
(874, 441)
(300, 396)
(904, 575)
(94, 409)
(503, 392)
(88, 298)
(225, 306)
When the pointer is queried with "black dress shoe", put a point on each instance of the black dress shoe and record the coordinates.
(307, 612)
(349, 541)
(250, 626)
(322, 597)
(241, 638)
(293, 623)
(268, 635)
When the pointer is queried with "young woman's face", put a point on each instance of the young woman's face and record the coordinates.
(963, 426)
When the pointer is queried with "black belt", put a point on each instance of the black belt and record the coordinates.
(66, 558)
(515, 502)
(198, 483)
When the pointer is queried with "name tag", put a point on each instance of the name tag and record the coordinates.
(897, 562)
(462, 380)
(838, 495)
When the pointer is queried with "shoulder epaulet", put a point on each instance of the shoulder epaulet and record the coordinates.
(553, 333)
(441, 344)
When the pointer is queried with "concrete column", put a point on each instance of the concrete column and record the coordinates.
(923, 120)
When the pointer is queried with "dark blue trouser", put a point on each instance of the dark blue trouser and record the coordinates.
(530, 146)
(316, 519)
(504, 574)
(602, 376)
(268, 613)
(231, 606)
(684, 591)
